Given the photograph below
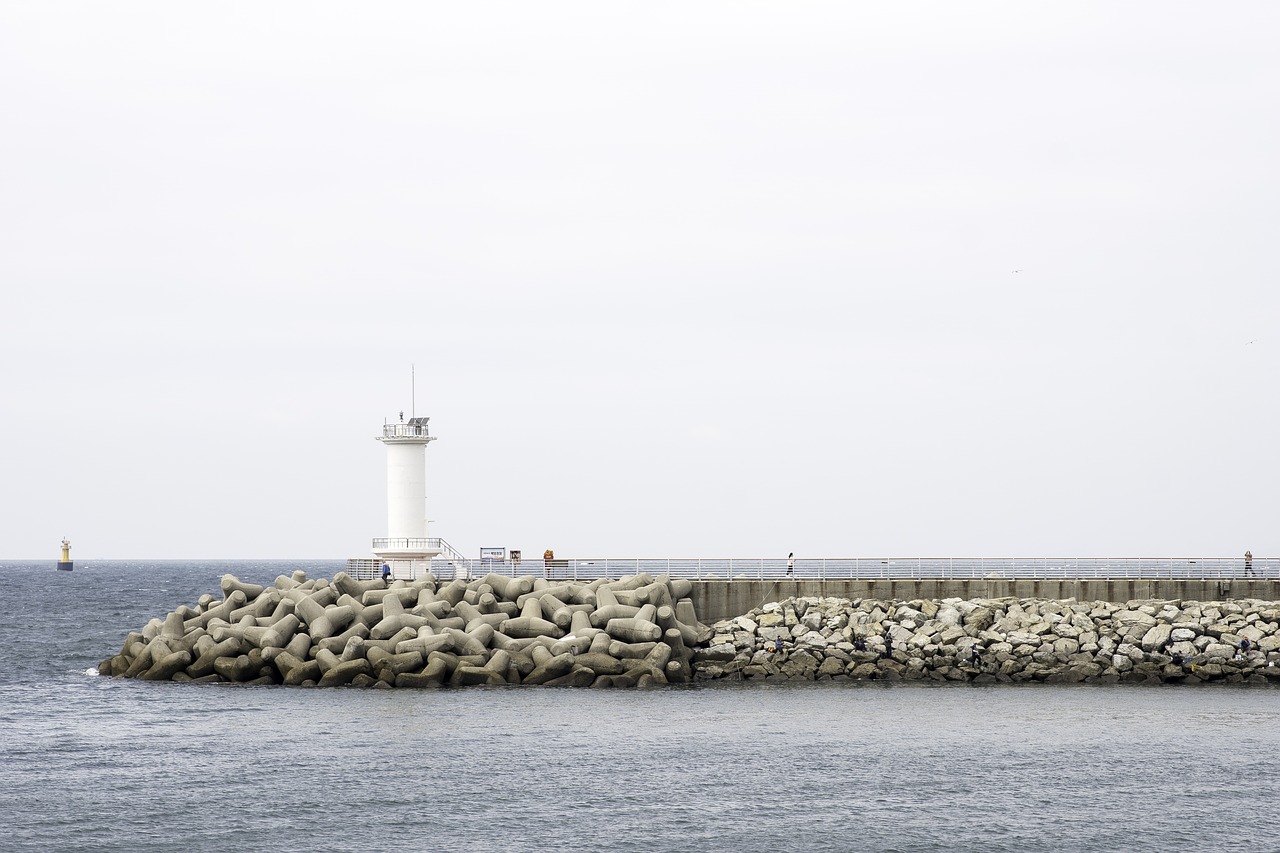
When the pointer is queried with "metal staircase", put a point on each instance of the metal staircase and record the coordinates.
(461, 565)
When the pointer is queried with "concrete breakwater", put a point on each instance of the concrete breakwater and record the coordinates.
(718, 599)
(998, 640)
(638, 630)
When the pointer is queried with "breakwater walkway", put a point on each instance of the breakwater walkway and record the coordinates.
(727, 587)
(867, 568)
(840, 568)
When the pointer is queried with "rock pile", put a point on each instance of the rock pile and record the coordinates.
(496, 630)
(1000, 640)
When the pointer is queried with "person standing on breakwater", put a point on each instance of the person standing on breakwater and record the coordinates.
(791, 563)
(1248, 564)
(888, 644)
(386, 573)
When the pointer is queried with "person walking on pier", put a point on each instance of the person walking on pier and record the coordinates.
(1248, 564)
(791, 563)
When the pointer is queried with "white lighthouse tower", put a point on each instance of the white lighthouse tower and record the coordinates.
(407, 545)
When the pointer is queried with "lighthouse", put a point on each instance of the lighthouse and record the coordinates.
(406, 545)
(64, 565)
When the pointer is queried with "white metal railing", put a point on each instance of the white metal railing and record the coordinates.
(458, 565)
(410, 430)
(868, 568)
(362, 568)
(403, 544)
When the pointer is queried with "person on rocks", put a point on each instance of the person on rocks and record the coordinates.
(777, 645)
(888, 645)
(1176, 658)
(859, 644)
(1245, 646)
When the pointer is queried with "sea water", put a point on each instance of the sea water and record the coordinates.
(98, 764)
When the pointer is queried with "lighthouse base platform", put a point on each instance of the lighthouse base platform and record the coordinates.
(402, 567)
(64, 565)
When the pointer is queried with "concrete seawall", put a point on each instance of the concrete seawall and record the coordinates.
(723, 599)
(640, 631)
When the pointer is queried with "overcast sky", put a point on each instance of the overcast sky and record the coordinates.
(678, 279)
